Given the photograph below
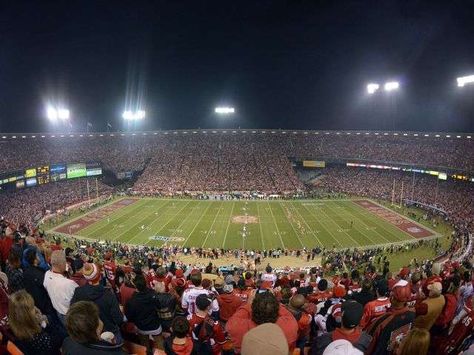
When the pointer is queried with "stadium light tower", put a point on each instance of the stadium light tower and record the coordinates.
(391, 85)
(372, 88)
(224, 110)
(463, 80)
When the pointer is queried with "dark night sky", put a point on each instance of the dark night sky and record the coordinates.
(282, 64)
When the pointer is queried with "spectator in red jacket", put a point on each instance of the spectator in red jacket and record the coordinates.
(450, 292)
(261, 308)
(228, 303)
(377, 307)
(208, 335)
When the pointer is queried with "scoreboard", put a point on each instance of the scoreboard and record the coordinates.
(42, 172)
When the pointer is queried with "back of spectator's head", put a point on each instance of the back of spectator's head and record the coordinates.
(367, 285)
(400, 295)
(22, 317)
(180, 327)
(417, 342)
(341, 347)
(161, 271)
(355, 275)
(160, 287)
(351, 313)
(14, 259)
(381, 287)
(435, 289)
(83, 323)
(203, 302)
(58, 260)
(30, 256)
(322, 285)
(265, 339)
(268, 269)
(91, 273)
(140, 283)
(297, 301)
(415, 277)
(265, 308)
(196, 278)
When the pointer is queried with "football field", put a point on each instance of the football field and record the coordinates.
(258, 225)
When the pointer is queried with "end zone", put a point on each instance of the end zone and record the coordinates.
(409, 227)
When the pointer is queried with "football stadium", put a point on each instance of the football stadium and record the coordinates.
(226, 187)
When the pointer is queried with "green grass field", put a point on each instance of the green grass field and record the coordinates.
(208, 223)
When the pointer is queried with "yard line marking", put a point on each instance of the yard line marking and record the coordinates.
(304, 220)
(278, 229)
(228, 223)
(345, 216)
(342, 229)
(116, 216)
(291, 224)
(260, 226)
(199, 221)
(138, 223)
(164, 225)
(354, 212)
(210, 228)
(326, 229)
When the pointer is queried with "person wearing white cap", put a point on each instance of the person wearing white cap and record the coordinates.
(341, 347)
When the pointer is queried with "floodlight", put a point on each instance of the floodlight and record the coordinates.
(51, 113)
(391, 85)
(224, 110)
(63, 113)
(372, 88)
(133, 116)
(463, 80)
(127, 115)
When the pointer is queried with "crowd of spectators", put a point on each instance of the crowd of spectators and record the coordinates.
(29, 205)
(230, 161)
(79, 297)
(78, 300)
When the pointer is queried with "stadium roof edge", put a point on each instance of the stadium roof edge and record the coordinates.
(419, 134)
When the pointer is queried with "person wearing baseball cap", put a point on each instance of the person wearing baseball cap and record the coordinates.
(109, 310)
(351, 314)
(428, 310)
(229, 302)
(397, 320)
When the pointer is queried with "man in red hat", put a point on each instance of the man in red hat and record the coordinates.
(388, 330)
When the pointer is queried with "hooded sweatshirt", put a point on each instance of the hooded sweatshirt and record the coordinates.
(109, 310)
(241, 322)
(228, 304)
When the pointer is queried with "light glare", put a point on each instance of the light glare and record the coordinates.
(224, 110)
(372, 88)
(391, 85)
(133, 116)
(463, 80)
